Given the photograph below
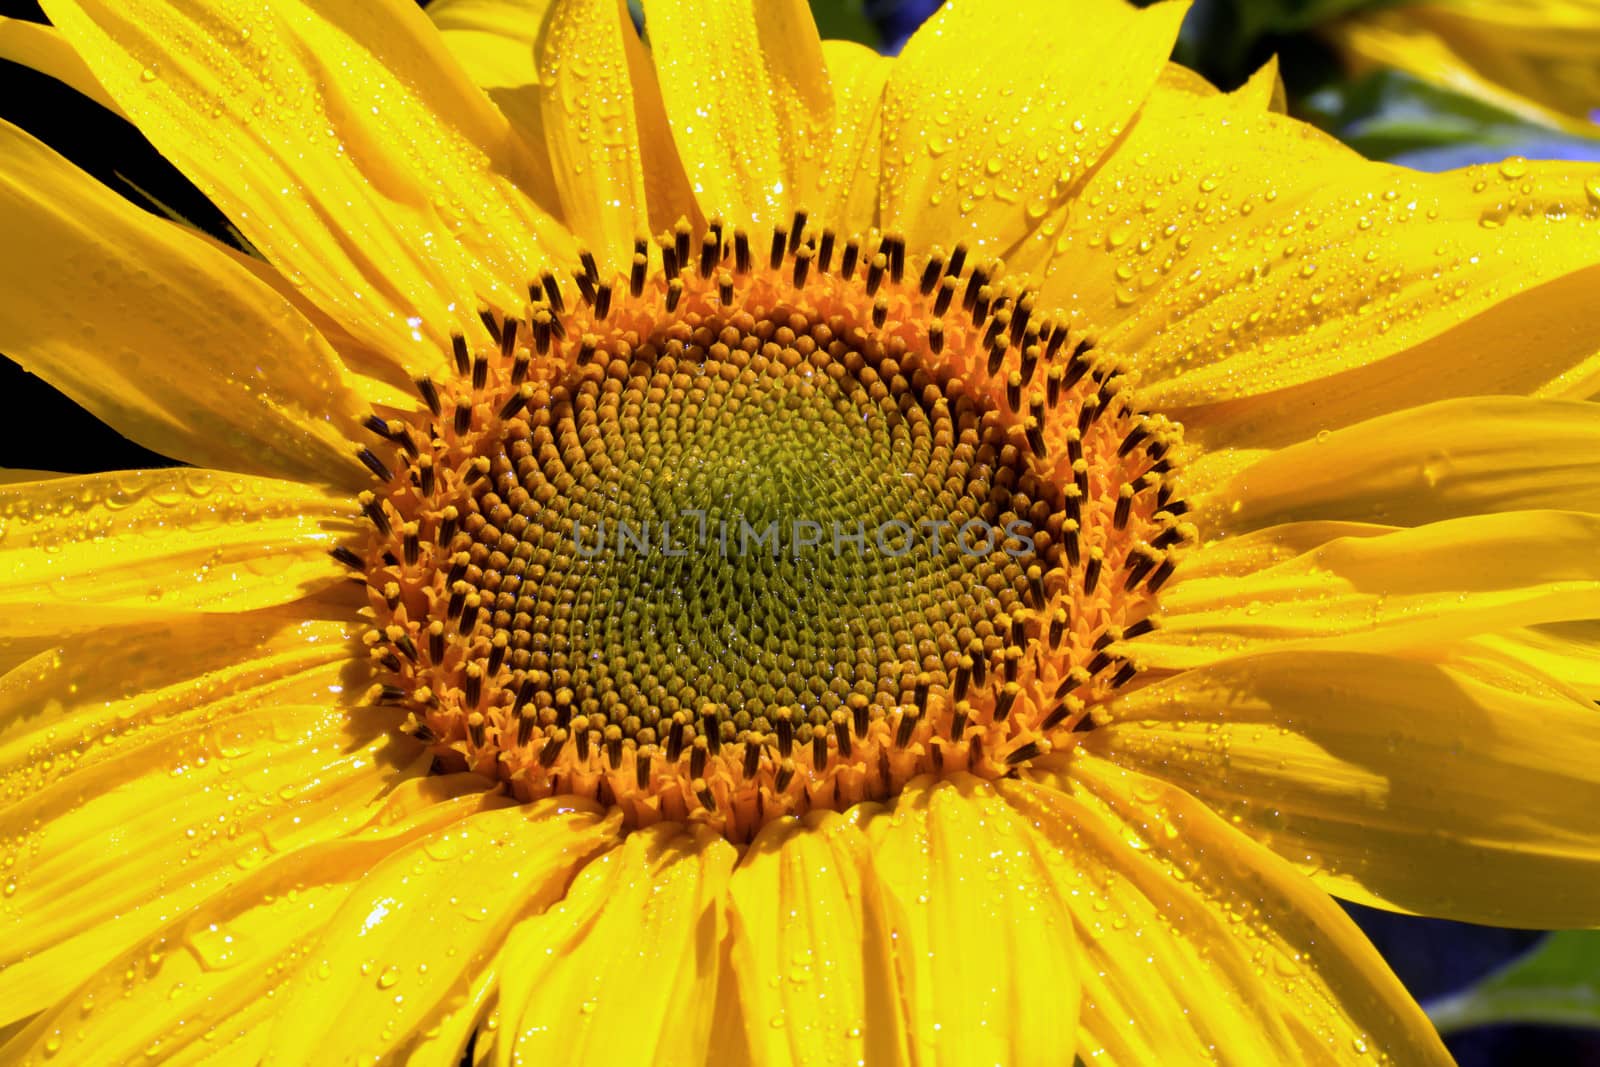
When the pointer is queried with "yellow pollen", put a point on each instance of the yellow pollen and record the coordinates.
(736, 536)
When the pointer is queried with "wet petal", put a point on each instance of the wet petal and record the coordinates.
(977, 931)
(43, 48)
(155, 333)
(605, 127)
(409, 941)
(1266, 959)
(140, 839)
(651, 907)
(1377, 589)
(1403, 784)
(102, 549)
(1420, 465)
(344, 143)
(993, 116)
(811, 948)
(208, 985)
(847, 191)
(1237, 254)
(748, 97)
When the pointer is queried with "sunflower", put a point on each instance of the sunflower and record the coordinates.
(1537, 59)
(722, 545)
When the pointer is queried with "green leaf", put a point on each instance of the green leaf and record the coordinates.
(845, 20)
(1557, 983)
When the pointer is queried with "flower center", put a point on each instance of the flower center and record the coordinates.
(731, 539)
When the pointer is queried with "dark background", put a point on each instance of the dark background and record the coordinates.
(46, 431)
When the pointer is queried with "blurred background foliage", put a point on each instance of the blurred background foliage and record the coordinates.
(1430, 84)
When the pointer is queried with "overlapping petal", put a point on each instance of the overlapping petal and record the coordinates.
(748, 97)
(813, 957)
(1237, 254)
(846, 196)
(207, 985)
(344, 143)
(133, 546)
(994, 117)
(158, 334)
(408, 944)
(1373, 588)
(1197, 939)
(983, 946)
(1405, 784)
(625, 969)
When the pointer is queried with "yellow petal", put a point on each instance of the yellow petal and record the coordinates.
(747, 93)
(1234, 254)
(1568, 653)
(812, 957)
(847, 191)
(605, 129)
(984, 947)
(1399, 783)
(209, 984)
(143, 837)
(42, 48)
(1420, 465)
(1166, 890)
(344, 143)
(130, 546)
(93, 697)
(410, 939)
(624, 970)
(159, 336)
(993, 116)
(1377, 589)
(1535, 59)
(493, 40)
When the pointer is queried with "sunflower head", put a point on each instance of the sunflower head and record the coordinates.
(764, 526)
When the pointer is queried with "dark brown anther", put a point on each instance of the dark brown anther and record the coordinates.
(825, 251)
(859, 715)
(525, 692)
(875, 271)
(1077, 366)
(958, 721)
(517, 401)
(675, 741)
(586, 345)
(1058, 337)
(580, 740)
(725, 289)
(1030, 361)
(641, 770)
(1091, 573)
(681, 232)
(1137, 568)
(525, 725)
(469, 619)
(370, 460)
(674, 295)
(978, 280)
(1057, 715)
(958, 259)
(980, 666)
(543, 329)
(636, 275)
(377, 426)
(802, 266)
(412, 545)
(436, 641)
(348, 558)
(785, 727)
(715, 228)
(590, 271)
(519, 368)
(896, 247)
(1036, 586)
(752, 758)
(841, 733)
(669, 261)
(710, 253)
(1058, 628)
(780, 244)
(552, 292)
(1034, 431)
(480, 364)
(847, 263)
(1162, 573)
(785, 775)
(936, 337)
(372, 507)
(586, 287)
(550, 751)
(390, 694)
(819, 750)
(602, 302)
(711, 729)
(458, 346)
(425, 475)
(1019, 317)
(430, 394)
(1178, 507)
(614, 748)
(1074, 445)
(1069, 538)
(797, 230)
(497, 653)
(1131, 441)
(975, 754)
(741, 251)
(1023, 754)
(403, 643)
(463, 419)
(1087, 413)
(880, 311)
(947, 295)
(1124, 675)
(1124, 507)
(962, 680)
(491, 322)
(1099, 662)
(931, 274)
(907, 726)
(997, 357)
(703, 793)
(997, 326)
(1140, 628)
(697, 759)
(1004, 701)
